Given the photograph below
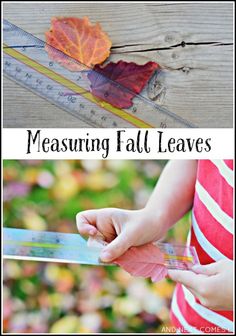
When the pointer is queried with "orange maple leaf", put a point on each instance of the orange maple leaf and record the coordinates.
(79, 39)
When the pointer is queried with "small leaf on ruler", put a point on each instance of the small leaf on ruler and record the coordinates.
(79, 39)
(145, 261)
(120, 82)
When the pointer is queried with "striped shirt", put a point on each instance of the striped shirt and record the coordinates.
(212, 235)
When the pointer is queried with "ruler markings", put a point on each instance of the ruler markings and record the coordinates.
(74, 87)
(144, 112)
(33, 244)
(56, 246)
(65, 247)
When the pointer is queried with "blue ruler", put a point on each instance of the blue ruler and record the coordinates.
(48, 246)
(72, 248)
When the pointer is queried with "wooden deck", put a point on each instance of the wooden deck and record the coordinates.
(193, 43)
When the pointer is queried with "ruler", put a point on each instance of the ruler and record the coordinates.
(26, 62)
(72, 248)
(48, 246)
(182, 257)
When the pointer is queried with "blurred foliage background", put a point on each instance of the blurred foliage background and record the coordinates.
(67, 298)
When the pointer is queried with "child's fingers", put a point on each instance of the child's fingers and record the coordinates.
(210, 269)
(186, 278)
(86, 222)
(89, 217)
(116, 248)
(86, 229)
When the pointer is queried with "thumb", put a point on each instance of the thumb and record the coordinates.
(116, 248)
(210, 269)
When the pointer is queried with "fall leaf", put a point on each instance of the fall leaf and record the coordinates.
(79, 39)
(146, 261)
(120, 82)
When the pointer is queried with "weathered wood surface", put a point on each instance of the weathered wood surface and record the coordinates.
(193, 43)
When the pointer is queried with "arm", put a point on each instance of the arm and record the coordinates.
(171, 199)
(173, 194)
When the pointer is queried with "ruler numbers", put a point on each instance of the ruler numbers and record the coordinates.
(171, 251)
(26, 61)
(176, 257)
(55, 92)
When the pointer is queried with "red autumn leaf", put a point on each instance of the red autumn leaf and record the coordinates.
(120, 82)
(79, 39)
(146, 261)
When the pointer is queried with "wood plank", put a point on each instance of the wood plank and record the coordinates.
(29, 110)
(197, 77)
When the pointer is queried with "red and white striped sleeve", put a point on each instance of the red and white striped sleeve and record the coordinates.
(212, 235)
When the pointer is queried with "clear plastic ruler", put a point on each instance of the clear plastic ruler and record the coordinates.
(72, 248)
(176, 256)
(48, 246)
(26, 62)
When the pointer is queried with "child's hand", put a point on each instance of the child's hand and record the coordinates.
(212, 285)
(121, 228)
